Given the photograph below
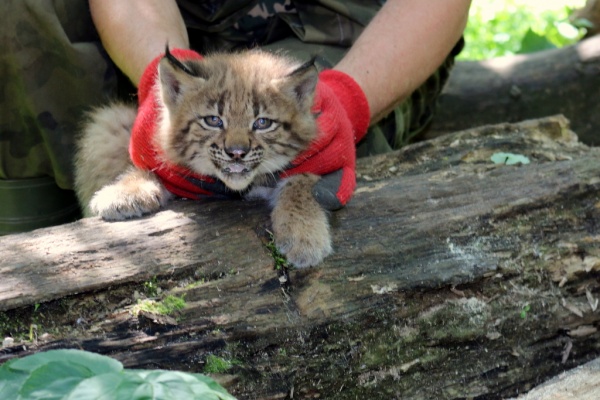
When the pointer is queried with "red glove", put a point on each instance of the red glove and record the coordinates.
(178, 180)
(343, 121)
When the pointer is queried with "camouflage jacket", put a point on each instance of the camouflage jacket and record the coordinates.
(224, 23)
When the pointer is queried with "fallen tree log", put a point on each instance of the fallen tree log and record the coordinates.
(581, 383)
(453, 277)
(513, 88)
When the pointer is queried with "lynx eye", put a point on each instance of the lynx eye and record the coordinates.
(213, 121)
(262, 123)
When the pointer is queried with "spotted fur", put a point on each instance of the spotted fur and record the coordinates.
(240, 118)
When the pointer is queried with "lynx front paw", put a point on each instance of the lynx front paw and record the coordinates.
(300, 224)
(134, 194)
(303, 249)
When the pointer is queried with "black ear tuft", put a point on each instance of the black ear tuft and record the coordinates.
(176, 75)
(309, 64)
(176, 63)
(170, 82)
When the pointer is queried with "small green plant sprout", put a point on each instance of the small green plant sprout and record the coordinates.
(280, 260)
(151, 287)
(509, 159)
(524, 311)
(76, 374)
(33, 332)
(36, 306)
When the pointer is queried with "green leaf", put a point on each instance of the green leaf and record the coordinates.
(112, 386)
(53, 380)
(179, 385)
(63, 368)
(509, 159)
(583, 23)
(97, 364)
(524, 311)
(79, 375)
(11, 380)
(533, 42)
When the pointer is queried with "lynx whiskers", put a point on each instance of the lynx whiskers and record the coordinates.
(229, 120)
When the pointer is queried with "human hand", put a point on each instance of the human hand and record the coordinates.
(343, 119)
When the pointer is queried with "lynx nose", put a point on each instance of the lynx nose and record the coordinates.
(237, 152)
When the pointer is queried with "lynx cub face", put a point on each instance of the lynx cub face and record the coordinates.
(236, 116)
(240, 118)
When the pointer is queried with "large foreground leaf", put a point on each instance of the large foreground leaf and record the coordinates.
(75, 374)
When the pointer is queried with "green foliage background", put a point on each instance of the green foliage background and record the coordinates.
(504, 27)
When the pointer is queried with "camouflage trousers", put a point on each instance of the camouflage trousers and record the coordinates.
(54, 69)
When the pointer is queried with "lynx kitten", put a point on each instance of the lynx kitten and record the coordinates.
(236, 119)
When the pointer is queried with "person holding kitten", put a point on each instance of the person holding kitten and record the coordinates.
(393, 60)
(399, 54)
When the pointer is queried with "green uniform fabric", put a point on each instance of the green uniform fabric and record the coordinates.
(53, 69)
(227, 24)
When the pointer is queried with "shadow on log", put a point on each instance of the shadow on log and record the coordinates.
(453, 277)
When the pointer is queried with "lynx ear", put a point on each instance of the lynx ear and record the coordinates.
(175, 76)
(301, 83)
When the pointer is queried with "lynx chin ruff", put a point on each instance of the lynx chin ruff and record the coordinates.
(236, 120)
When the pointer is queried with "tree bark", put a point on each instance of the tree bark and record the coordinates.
(453, 277)
(509, 89)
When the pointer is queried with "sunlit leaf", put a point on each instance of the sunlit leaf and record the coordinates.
(583, 23)
(567, 30)
(533, 42)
